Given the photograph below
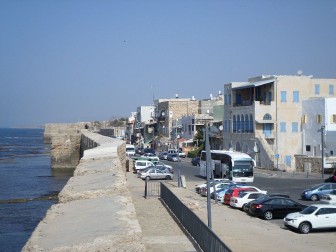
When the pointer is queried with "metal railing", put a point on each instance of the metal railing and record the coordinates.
(152, 188)
(205, 237)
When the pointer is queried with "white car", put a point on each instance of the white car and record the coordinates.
(244, 197)
(204, 190)
(319, 216)
(198, 188)
(329, 198)
(154, 173)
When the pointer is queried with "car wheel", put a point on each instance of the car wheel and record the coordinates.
(168, 177)
(243, 207)
(304, 228)
(314, 197)
(147, 178)
(268, 215)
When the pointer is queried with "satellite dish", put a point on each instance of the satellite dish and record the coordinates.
(299, 72)
(176, 96)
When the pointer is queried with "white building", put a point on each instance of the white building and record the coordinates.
(318, 113)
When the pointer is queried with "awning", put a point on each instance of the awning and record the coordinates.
(253, 84)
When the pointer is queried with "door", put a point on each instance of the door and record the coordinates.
(267, 129)
(324, 218)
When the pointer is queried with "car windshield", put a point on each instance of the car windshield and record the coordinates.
(308, 210)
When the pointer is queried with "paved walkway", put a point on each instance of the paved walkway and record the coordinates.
(159, 229)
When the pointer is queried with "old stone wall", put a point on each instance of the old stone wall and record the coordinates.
(65, 141)
(95, 211)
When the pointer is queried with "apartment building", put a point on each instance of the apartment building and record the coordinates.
(262, 116)
(319, 124)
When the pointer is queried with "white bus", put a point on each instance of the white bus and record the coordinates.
(236, 166)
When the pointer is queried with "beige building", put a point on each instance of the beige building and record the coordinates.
(262, 117)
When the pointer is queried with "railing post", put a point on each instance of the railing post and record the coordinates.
(145, 189)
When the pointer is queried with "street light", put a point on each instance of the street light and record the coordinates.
(322, 147)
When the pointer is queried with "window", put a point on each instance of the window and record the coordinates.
(295, 127)
(267, 117)
(247, 124)
(242, 124)
(238, 123)
(288, 160)
(283, 127)
(317, 89)
(319, 119)
(333, 119)
(331, 89)
(304, 119)
(308, 148)
(251, 123)
(295, 96)
(283, 96)
(234, 123)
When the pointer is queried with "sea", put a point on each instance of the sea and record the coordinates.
(28, 185)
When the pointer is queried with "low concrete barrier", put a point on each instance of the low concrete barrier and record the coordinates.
(95, 211)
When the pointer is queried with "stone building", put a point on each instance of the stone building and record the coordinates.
(262, 117)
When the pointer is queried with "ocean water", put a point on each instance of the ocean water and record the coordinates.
(28, 185)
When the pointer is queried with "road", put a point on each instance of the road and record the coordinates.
(291, 186)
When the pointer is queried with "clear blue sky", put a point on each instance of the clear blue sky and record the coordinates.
(70, 61)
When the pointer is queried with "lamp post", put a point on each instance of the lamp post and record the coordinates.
(322, 147)
(208, 174)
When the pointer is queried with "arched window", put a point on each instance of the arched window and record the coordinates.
(267, 117)
(251, 123)
(242, 124)
(234, 123)
(247, 125)
(238, 123)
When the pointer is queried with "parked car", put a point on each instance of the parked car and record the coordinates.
(155, 164)
(244, 197)
(329, 198)
(221, 194)
(154, 173)
(163, 155)
(148, 150)
(173, 157)
(161, 168)
(204, 190)
(274, 207)
(182, 154)
(233, 192)
(140, 151)
(313, 217)
(195, 161)
(150, 156)
(246, 207)
(316, 192)
(142, 164)
(199, 187)
(130, 150)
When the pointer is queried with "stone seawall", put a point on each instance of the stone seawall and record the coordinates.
(95, 211)
(65, 142)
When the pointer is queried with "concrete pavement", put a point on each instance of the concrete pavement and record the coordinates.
(160, 231)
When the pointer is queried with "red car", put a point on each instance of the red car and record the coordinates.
(233, 192)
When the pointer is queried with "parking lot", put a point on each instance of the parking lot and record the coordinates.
(242, 232)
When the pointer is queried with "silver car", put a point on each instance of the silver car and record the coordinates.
(155, 173)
